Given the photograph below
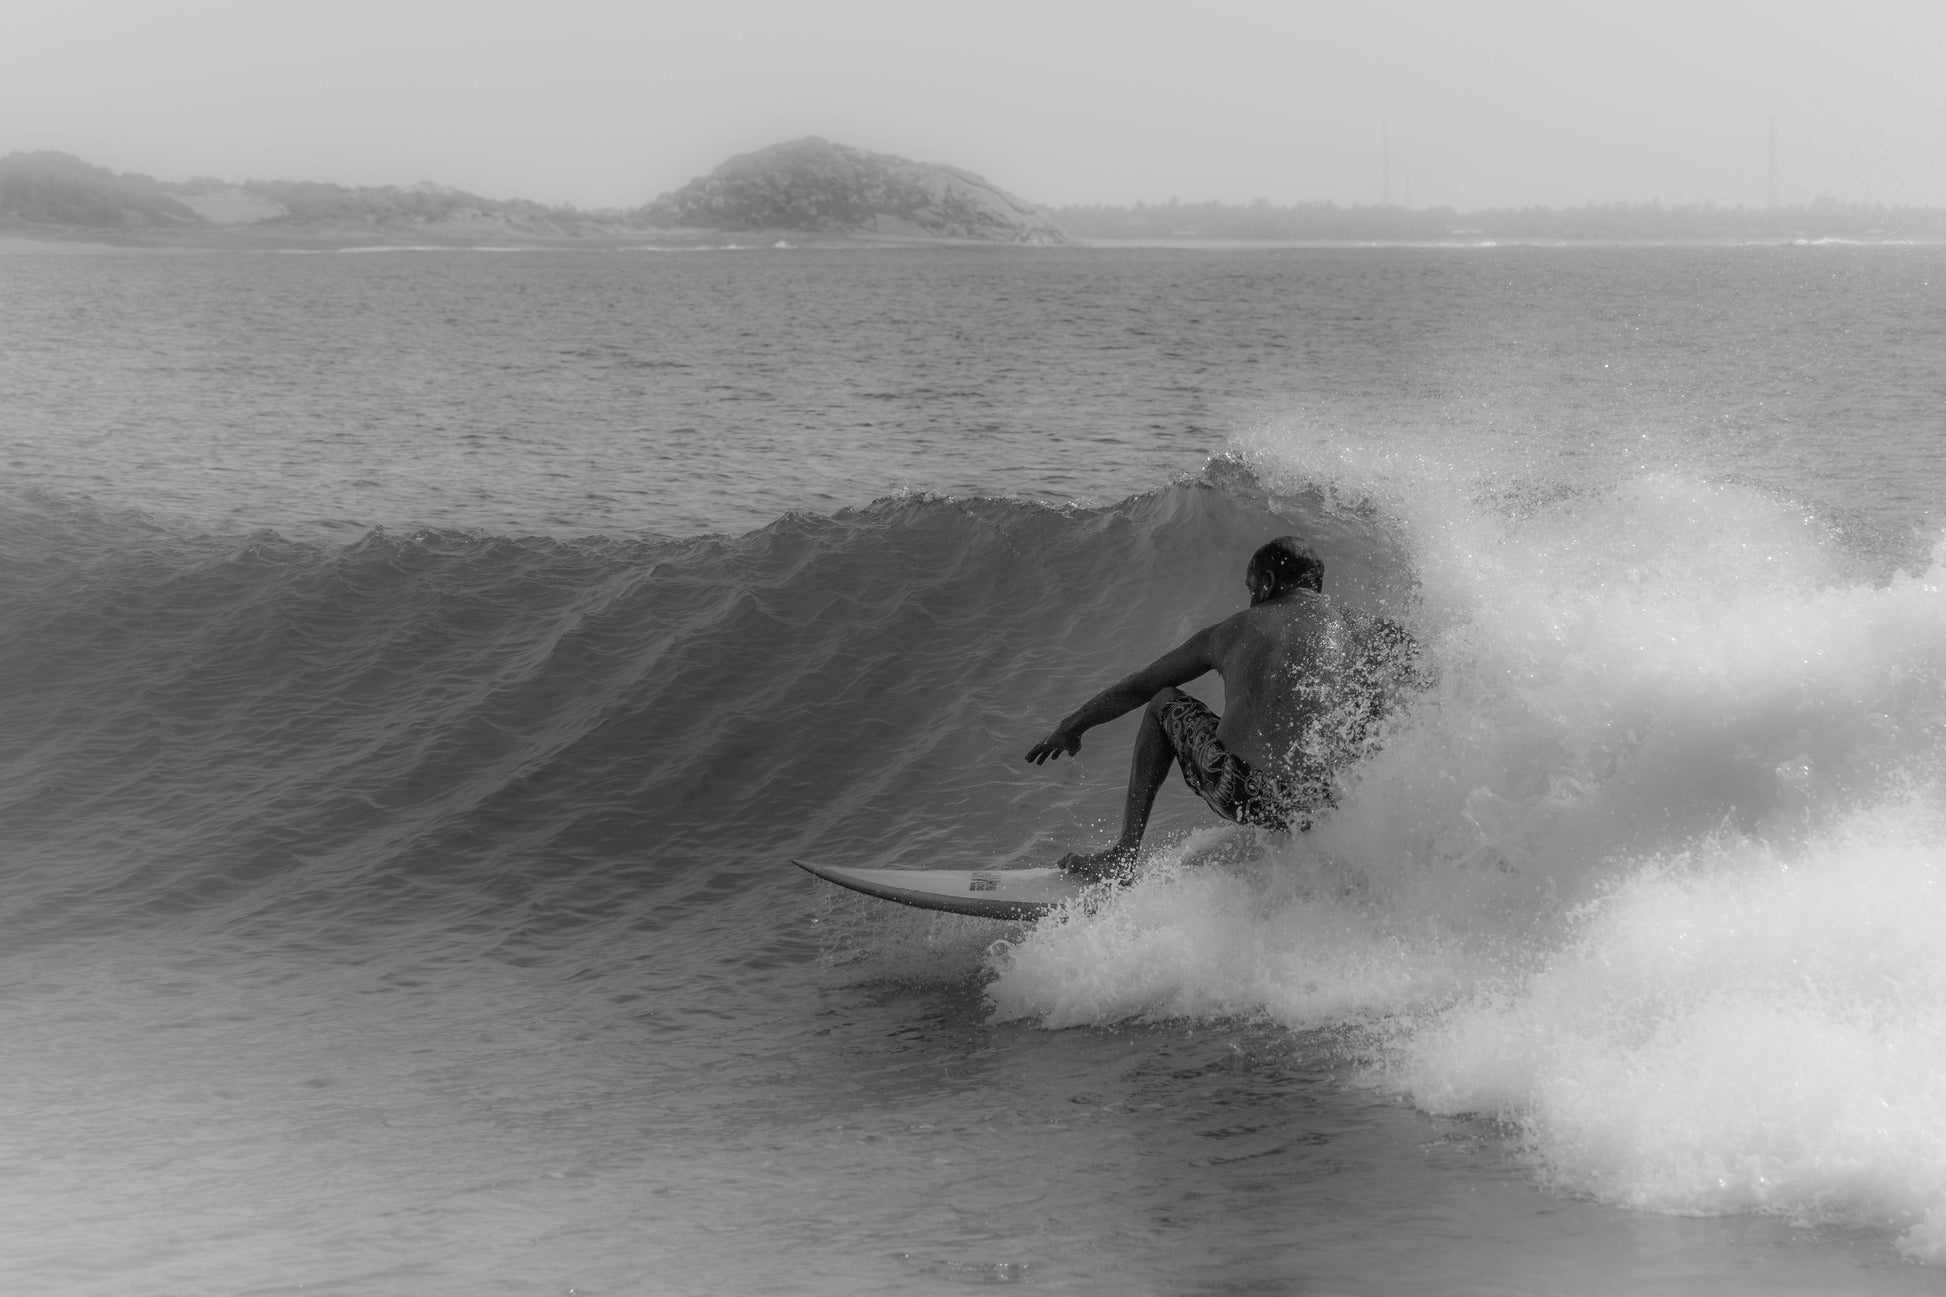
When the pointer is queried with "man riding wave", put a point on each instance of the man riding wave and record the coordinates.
(1284, 661)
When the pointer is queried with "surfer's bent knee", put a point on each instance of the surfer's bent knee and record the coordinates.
(1163, 696)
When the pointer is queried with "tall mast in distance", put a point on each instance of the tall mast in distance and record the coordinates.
(1385, 164)
(1770, 193)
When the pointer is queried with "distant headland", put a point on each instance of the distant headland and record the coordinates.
(813, 192)
(807, 190)
(58, 196)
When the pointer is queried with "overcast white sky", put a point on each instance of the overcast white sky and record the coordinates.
(610, 102)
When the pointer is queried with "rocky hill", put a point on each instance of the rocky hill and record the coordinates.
(814, 186)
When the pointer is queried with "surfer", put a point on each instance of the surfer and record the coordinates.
(1262, 762)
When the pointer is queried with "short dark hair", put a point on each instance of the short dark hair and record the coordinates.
(1291, 561)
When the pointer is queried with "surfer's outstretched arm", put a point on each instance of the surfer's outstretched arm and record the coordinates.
(1179, 665)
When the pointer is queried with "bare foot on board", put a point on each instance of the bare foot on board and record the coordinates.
(1116, 864)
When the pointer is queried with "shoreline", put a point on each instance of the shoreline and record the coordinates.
(339, 238)
(454, 236)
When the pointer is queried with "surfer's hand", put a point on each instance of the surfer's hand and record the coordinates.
(1054, 745)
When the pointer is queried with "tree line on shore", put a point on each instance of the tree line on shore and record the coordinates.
(1328, 222)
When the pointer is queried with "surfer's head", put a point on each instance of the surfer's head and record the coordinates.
(1283, 564)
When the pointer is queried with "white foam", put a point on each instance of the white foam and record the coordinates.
(1203, 941)
(1732, 1029)
(1652, 873)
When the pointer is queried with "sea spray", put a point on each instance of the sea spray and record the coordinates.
(1651, 871)
(1198, 939)
(1731, 1028)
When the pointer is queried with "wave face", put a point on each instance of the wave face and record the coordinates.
(1649, 870)
(448, 719)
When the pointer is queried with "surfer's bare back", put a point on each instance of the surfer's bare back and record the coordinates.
(1253, 764)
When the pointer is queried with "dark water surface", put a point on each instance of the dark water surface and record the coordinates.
(570, 394)
(420, 668)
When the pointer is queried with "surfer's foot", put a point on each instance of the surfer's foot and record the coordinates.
(1116, 864)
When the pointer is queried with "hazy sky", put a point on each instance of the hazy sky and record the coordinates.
(610, 102)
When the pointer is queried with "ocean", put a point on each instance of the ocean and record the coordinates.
(422, 666)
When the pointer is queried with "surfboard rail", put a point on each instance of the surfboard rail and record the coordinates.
(983, 893)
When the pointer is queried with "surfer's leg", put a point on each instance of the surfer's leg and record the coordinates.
(1148, 767)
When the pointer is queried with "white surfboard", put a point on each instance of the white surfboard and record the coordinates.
(987, 893)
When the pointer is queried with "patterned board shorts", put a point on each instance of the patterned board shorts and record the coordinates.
(1226, 781)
